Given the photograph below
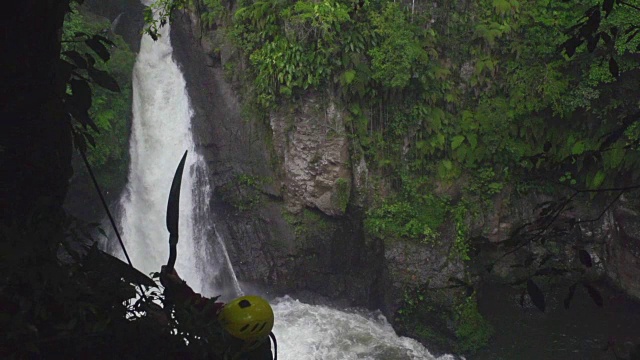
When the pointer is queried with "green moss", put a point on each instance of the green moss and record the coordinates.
(414, 214)
(472, 329)
(308, 224)
(343, 193)
(243, 192)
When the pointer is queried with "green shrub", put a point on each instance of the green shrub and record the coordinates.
(472, 330)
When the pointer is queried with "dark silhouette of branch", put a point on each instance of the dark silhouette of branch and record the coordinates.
(629, 5)
(603, 211)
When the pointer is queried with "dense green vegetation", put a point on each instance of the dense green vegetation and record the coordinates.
(484, 94)
(452, 102)
(508, 98)
(445, 92)
(110, 111)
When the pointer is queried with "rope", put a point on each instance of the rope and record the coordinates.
(113, 222)
(104, 204)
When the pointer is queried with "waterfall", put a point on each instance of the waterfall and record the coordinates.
(160, 134)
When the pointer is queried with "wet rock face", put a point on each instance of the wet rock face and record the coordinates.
(313, 148)
(296, 237)
(129, 15)
(622, 252)
(409, 264)
(610, 238)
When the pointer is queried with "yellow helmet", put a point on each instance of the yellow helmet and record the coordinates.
(248, 318)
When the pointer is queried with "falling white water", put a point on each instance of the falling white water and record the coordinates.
(310, 332)
(160, 134)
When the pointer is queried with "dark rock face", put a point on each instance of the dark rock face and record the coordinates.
(622, 250)
(297, 252)
(610, 238)
(130, 19)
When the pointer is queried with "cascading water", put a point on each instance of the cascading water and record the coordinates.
(160, 134)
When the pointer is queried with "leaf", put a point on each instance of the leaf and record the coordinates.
(593, 22)
(349, 75)
(90, 139)
(103, 79)
(104, 40)
(65, 69)
(83, 118)
(613, 68)
(536, 295)
(76, 58)
(578, 148)
(98, 48)
(635, 33)
(567, 300)
(90, 60)
(592, 42)
(571, 44)
(457, 140)
(597, 180)
(473, 140)
(585, 258)
(81, 94)
(607, 6)
(595, 295)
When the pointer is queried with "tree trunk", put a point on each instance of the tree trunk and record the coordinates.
(35, 139)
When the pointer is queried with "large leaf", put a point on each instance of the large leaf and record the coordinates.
(607, 6)
(456, 141)
(103, 79)
(613, 68)
(597, 180)
(77, 59)
(81, 94)
(349, 75)
(104, 40)
(98, 48)
(536, 295)
(595, 295)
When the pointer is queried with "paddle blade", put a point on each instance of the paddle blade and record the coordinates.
(173, 207)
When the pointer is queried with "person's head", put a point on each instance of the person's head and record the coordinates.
(249, 318)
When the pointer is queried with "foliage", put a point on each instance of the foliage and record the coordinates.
(461, 246)
(415, 214)
(472, 330)
(81, 306)
(109, 113)
(244, 192)
(214, 12)
(343, 193)
(159, 14)
(400, 55)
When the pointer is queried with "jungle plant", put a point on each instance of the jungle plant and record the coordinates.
(472, 330)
